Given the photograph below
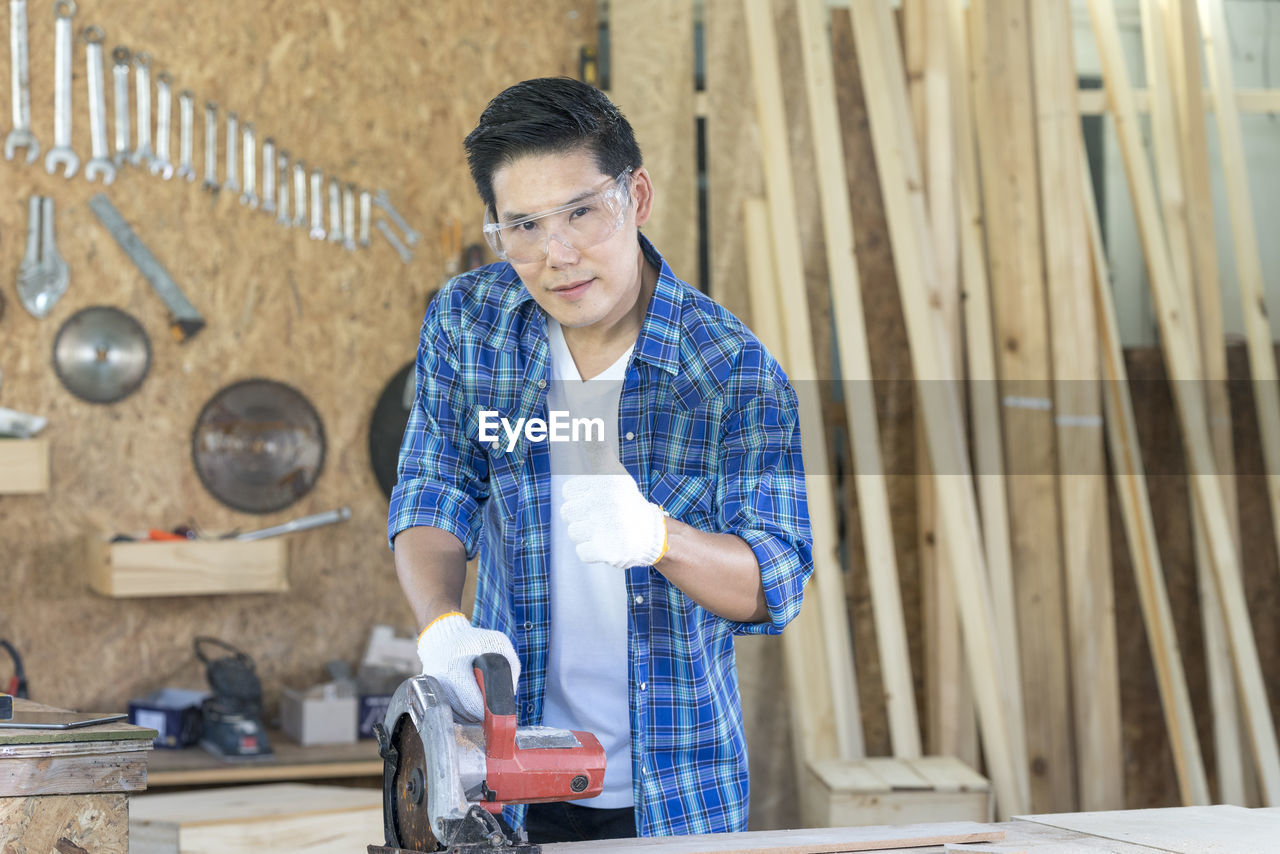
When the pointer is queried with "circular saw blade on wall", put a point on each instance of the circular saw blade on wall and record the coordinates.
(101, 354)
(386, 428)
(258, 445)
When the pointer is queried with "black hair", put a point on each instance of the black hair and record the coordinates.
(549, 115)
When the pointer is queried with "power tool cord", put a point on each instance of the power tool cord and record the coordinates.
(18, 682)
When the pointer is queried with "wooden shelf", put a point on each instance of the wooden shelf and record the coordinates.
(194, 766)
(24, 466)
(186, 567)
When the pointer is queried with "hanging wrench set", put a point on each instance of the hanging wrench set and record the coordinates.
(140, 149)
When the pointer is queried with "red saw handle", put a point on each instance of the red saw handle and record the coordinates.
(535, 774)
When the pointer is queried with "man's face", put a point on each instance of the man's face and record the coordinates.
(580, 287)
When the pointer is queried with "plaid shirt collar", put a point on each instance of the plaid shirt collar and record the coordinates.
(660, 332)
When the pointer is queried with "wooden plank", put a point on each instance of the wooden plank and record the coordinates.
(189, 567)
(1170, 165)
(1135, 505)
(899, 169)
(1082, 485)
(65, 824)
(897, 773)
(948, 774)
(951, 722)
(290, 761)
(1183, 830)
(812, 719)
(987, 438)
(855, 370)
(106, 766)
(1177, 339)
(262, 819)
(1005, 113)
(1262, 362)
(800, 366)
(651, 81)
(1093, 102)
(816, 841)
(733, 154)
(24, 466)
(1189, 103)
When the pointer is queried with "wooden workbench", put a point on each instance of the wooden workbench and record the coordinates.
(1179, 830)
(195, 766)
(67, 791)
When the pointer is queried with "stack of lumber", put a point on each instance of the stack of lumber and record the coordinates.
(1022, 405)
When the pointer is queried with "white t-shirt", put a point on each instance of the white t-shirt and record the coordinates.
(587, 668)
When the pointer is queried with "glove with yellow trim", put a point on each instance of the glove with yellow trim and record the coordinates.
(447, 648)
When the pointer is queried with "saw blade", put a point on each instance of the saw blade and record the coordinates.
(258, 445)
(386, 428)
(101, 354)
(410, 818)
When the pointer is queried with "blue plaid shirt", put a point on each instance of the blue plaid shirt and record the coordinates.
(708, 427)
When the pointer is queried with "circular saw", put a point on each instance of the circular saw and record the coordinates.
(101, 354)
(445, 781)
(258, 446)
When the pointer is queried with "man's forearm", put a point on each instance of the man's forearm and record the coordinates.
(718, 571)
(432, 567)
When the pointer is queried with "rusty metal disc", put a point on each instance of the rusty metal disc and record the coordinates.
(410, 818)
(258, 445)
(101, 354)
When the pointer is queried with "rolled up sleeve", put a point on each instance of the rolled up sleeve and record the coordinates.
(764, 501)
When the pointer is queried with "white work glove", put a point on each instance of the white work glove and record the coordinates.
(611, 522)
(448, 646)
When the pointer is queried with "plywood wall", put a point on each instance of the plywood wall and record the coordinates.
(380, 93)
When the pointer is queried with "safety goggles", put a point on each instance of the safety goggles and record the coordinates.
(581, 224)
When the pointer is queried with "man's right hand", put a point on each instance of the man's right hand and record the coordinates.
(448, 646)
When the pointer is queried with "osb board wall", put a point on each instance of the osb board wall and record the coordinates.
(379, 93)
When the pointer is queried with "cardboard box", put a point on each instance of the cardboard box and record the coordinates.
(324, 714)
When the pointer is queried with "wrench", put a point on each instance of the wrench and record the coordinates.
(383, 201)
(61, 153)
(42, 275)
(299, 195)
(282, 192)
(186, 100)
(405, 255)
(100, 163)
(233, 138)
(349, 217)
(210, 147)
(335, 212)
(317, 218)
(143, 155)
(120, 76)
(364, 218)
(21, 135)
(249, 196)
(268, 175)
(160, 164)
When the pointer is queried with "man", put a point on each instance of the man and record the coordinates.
(614, 570)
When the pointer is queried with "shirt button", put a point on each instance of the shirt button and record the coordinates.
(644, 686)
(542, 383)
(630, 435)
(529, 708)
(639, 600)
(528, 626)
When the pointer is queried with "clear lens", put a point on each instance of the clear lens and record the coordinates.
(582, 224)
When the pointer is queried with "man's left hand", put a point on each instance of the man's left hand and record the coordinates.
(611, 522)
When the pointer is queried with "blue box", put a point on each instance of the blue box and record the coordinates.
(373, 708)
(174, 713)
